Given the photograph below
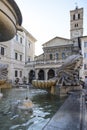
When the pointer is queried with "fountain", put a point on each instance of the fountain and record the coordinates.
(10, 19)
(24, 105)
(10, 22)
(67, 77)
(4, 83)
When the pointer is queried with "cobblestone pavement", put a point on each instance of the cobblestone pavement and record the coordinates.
(68, 116)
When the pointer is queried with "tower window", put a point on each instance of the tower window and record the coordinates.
(78, 16)
(74, 17)
(76, 25)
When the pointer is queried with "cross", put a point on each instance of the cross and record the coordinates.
(76, 5)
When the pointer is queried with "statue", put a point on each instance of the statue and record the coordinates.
(68, 73)
(4, 83)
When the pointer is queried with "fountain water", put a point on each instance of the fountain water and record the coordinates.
(25, 104)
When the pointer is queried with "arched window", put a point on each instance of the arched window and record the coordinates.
(57, 56)
(51, 73)
(63, 55)
(41, 75)
(74, 17)
(51, 56)
(31, 76)
(76, 25)
(78, 16)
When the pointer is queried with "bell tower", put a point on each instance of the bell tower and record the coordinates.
(76, 23)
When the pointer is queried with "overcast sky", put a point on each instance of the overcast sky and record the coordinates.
(46, 19)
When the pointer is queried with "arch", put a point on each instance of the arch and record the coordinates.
(41, 75)
(51, 73)
(31, 75)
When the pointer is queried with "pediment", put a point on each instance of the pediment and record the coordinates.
(57, 41)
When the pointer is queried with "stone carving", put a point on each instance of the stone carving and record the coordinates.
(3, 72)
(4, 83)
(68, 73)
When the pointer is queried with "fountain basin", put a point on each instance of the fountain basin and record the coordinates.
(43, 83)
(10, 19)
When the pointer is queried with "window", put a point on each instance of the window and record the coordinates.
(20, 73)
(2, 50)
(16, 37)
(51, 56)
(85, 44)
(16, 56)
(16, 73)
(20, 57)
(20, 39)
(76, 25)
(85, 55)
(63, 55)
(74, 17)
(78, 16)
(57, 55)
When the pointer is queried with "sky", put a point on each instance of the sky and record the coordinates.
(46, 19)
